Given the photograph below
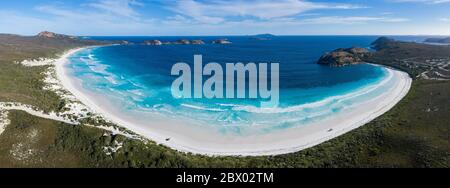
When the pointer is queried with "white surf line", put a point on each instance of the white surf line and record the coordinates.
(404, 91)
(321, 137)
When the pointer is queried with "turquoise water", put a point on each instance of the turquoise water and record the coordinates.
(136, 78)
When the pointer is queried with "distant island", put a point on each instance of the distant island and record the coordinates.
(438, 40)
(221, 41)
(262, 36)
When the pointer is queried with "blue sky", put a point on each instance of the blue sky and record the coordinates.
(226, 17)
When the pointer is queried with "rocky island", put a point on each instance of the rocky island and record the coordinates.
(197, 42)
(344, 56)
(221, 41)
(153, 42)
(178, 42)
(182, 41)
(262, 37)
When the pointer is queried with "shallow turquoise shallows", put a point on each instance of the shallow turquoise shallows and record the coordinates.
(136, 78)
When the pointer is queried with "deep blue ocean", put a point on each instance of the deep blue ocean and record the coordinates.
(137, 78)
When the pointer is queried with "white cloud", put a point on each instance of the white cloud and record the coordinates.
(102, 16)
(352, 20)
(17, 23)
(118, 7)
(386, 13)
(444, 19)
(219, 10)
(283, 17)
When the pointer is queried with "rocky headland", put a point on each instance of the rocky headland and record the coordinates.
(438, 40)
(344, 56)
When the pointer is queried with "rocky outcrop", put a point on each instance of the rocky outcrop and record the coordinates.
(197, 42)
(344, 56)
(48, 34)
(221, 41)
(178, 42)
(182, 41)
(153, 42)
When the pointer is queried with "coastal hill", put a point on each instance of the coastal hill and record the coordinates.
(48, 34)
(383, 43)
(438, 40)
(344, 56)
(40, 45)
(419, 60)
(427, 61)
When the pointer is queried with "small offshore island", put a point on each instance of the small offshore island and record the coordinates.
(75, 125)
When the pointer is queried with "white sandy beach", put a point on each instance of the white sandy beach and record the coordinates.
(199, 139)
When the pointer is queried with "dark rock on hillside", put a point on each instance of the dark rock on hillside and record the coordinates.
(48, 34)
(342, 57)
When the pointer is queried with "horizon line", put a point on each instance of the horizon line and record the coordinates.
(239, 35)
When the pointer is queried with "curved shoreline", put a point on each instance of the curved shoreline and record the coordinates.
(199, 142)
